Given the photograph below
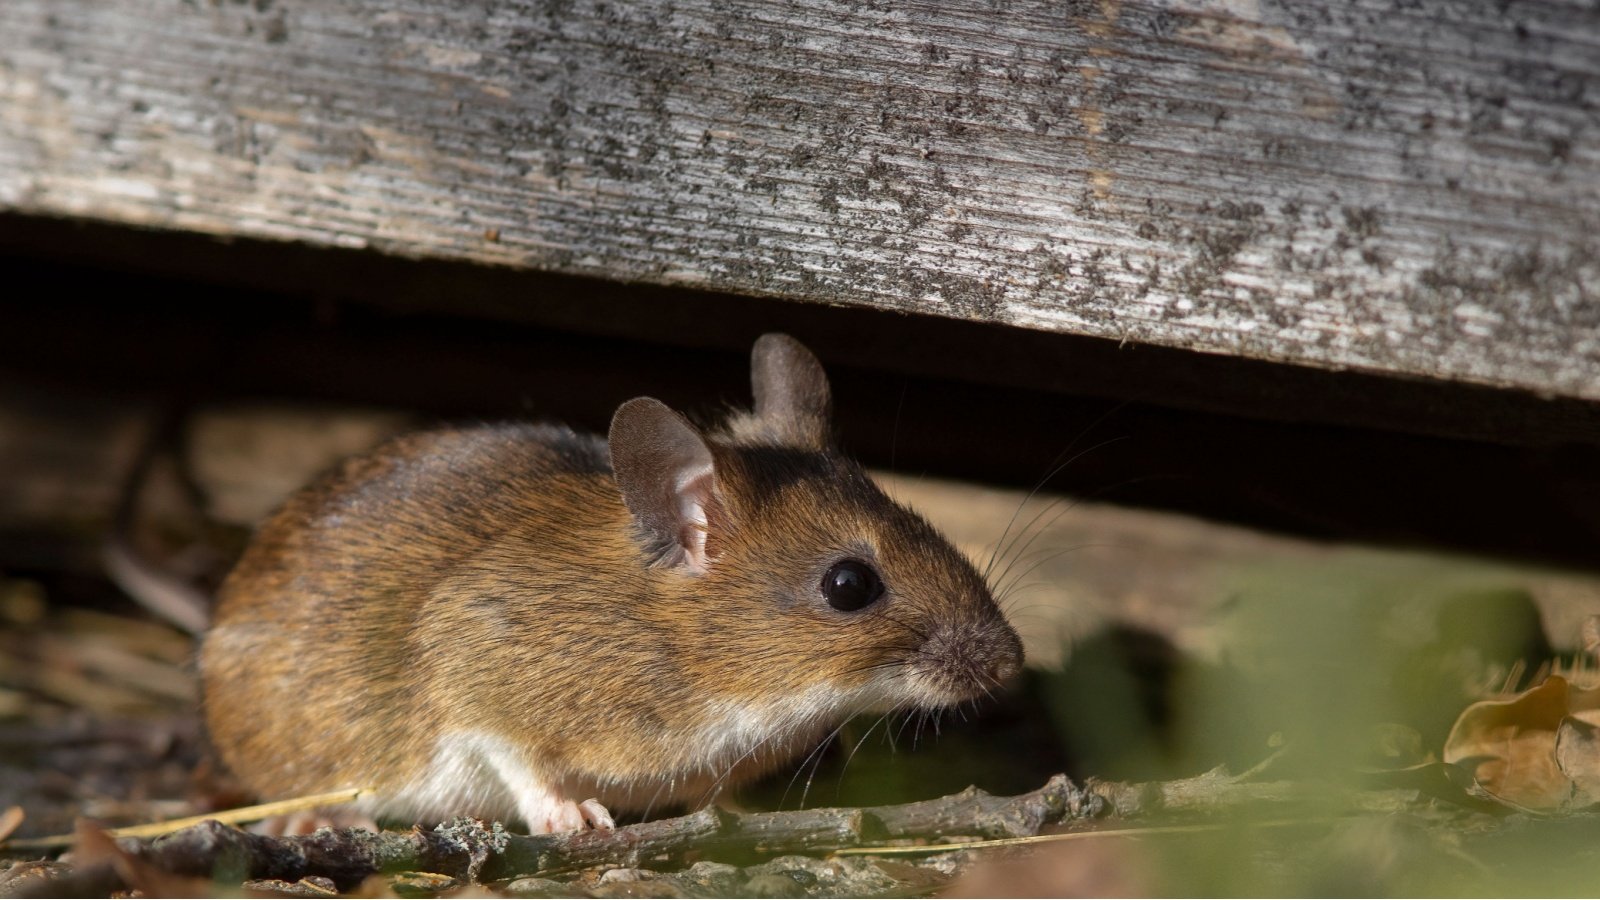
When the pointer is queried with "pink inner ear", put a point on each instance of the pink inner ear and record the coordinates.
(694, 493)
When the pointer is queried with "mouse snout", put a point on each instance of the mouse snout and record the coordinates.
(965, 660)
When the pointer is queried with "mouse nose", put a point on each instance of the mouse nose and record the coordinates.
(1007, 661)
(1004, 669)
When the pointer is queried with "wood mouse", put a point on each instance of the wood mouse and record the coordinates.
(522, 622)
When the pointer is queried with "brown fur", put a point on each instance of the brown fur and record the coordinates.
(492, 580)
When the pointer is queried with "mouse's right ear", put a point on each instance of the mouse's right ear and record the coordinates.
(664, 469)
(793, 400)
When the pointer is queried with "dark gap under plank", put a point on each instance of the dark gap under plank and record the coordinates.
(1270, 446)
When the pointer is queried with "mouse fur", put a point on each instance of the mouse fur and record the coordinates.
(508, 620)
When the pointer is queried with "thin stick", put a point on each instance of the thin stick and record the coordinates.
(226, 817)
(911, 850)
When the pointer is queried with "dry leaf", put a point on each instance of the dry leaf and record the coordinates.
(1539, 749)
(1578, 756)
(10, 820)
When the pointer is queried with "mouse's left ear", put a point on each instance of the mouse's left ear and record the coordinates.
(664, 470)
(793, 399)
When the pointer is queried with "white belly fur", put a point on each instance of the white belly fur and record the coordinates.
(478, 774)
(485, 775)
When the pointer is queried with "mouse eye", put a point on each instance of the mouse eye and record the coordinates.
(850, 585)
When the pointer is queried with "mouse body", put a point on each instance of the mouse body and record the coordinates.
(522, 622)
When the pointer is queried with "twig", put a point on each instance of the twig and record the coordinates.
(472, 851)
(469, 850)
(714, 832)
(923, 849)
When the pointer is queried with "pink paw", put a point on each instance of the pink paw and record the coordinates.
(571, 816)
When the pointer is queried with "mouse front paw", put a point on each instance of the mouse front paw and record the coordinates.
(598, 817)
(570, 815)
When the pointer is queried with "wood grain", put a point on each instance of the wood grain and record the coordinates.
(1398, 187)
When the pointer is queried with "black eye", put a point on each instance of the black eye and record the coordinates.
(850, 585)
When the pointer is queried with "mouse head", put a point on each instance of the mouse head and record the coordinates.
(796, 575)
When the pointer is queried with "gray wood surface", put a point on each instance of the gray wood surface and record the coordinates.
(1403, 187)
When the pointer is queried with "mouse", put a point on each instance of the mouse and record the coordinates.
(525, 623)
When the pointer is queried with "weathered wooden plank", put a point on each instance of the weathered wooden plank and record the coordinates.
(1401, 187)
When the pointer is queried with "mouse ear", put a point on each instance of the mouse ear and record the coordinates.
(664, 470)
(792, 396)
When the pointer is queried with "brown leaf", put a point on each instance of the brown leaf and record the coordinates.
(1511, 746)
(1578, 757)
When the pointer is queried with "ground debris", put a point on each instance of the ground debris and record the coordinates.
(598, 863)
(310, 886)
(786, 876)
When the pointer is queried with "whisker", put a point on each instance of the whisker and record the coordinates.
(1074, 503)
(894, 433)
(1071, 503)
(1049, 556)
(815, 754)
(1066, 504)
(852, 755)
(811, 778)
(904, 724)
(1053, 471)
